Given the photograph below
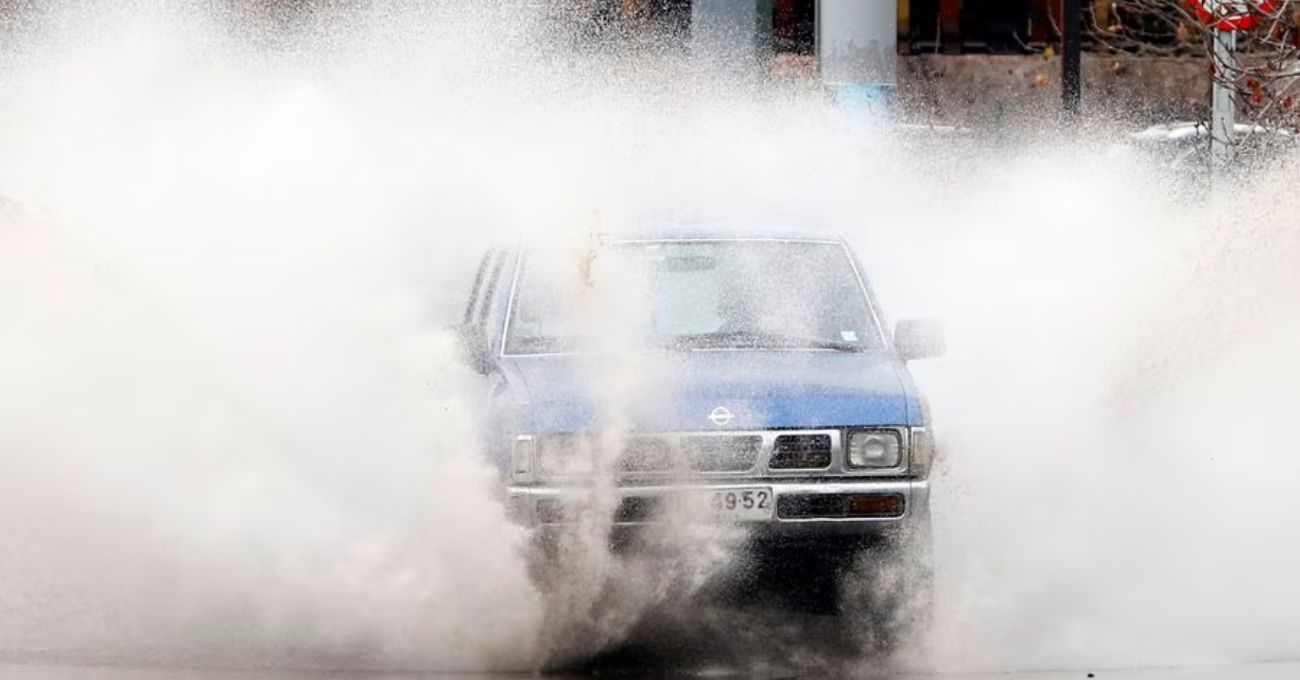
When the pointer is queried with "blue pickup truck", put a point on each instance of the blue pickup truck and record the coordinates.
(767, 389)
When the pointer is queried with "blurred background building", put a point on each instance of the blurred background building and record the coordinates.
(962, 61)
(923, 26)
(970, 60)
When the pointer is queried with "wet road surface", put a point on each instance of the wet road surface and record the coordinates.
(1260, 671)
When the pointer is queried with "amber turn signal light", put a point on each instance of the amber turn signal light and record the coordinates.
(890, 505)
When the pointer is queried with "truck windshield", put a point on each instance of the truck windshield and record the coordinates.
(725, 294)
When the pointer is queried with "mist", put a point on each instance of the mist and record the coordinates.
(235, 430)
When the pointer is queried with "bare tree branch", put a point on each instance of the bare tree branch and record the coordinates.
(1264, 78)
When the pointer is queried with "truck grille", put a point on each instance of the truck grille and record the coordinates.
(642, 456)
(724, 453)
(646, 454)
(801, 452)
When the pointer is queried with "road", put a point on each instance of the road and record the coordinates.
(1260, 671)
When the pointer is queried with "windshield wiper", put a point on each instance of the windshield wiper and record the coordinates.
(758, 340)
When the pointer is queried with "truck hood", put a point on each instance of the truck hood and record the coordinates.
(667, 392)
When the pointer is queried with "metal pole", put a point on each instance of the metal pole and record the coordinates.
(728, 36)
(1223, 107)
(857, 46)
(1071, 57)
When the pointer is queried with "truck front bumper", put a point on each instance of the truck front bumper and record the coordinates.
(799, 508)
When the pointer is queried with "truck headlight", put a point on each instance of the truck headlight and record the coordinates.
(874, 449)
(565, 455)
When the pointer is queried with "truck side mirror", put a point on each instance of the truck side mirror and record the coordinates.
(918, 339)
(475, 348)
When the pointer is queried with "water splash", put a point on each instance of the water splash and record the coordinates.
(231, 430)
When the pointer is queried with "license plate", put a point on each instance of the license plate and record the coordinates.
(742, 504)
